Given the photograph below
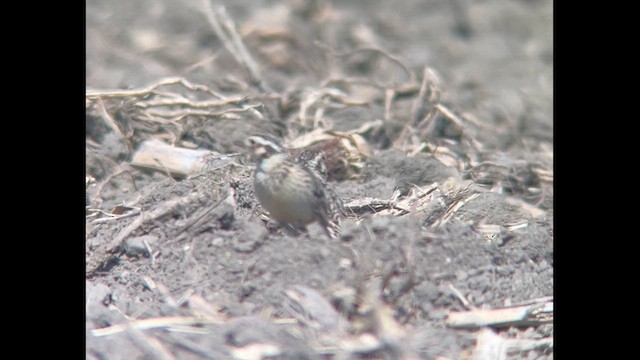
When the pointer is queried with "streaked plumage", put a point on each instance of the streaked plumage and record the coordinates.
(294, 191)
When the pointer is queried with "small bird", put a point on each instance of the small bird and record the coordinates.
(294, 190)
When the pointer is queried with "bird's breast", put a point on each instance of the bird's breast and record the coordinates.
(286, 191)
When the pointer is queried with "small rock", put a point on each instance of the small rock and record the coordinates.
(136, 246)
(345, 264)
(96, 294)
(225, 214)
(217, 242)
(249, 239)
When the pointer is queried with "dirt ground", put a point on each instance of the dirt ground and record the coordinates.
(454, 100)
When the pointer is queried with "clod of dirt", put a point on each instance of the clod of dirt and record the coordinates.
(252, 330)
(417, 170)
(115, 147)
(250, 238)
(96, 295)
(139, 245)
(225, 215)
(380, 187)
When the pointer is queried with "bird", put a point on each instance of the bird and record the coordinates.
(314, 160)
(294, 189)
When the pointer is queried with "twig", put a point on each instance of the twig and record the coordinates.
(452, 210)
(225, 30)
(422, 110)
(382, 52)
(369, 204)
(313, 310)
(148, 283)
(451, 116)
(177, 115)
(201, 308)
(197, 349)
(534, 314)
(420, 193)
(545, 299)
(201, 63)
(134, 211)
(428, 97)
(150, 252)
(108, 119)
(149, 89)
(528, 344)
(461, 297)
(414, 202)
(152, 323)
(164, 168)
(489, 345)
(166, 294)
(106, 180)
(389, 96)
(257, 351)
(161, 210)
(545, 176)
(192, 104)
(341, 81)
(198, 218)
(176, 161)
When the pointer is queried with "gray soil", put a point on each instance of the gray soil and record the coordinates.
(494, 62)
